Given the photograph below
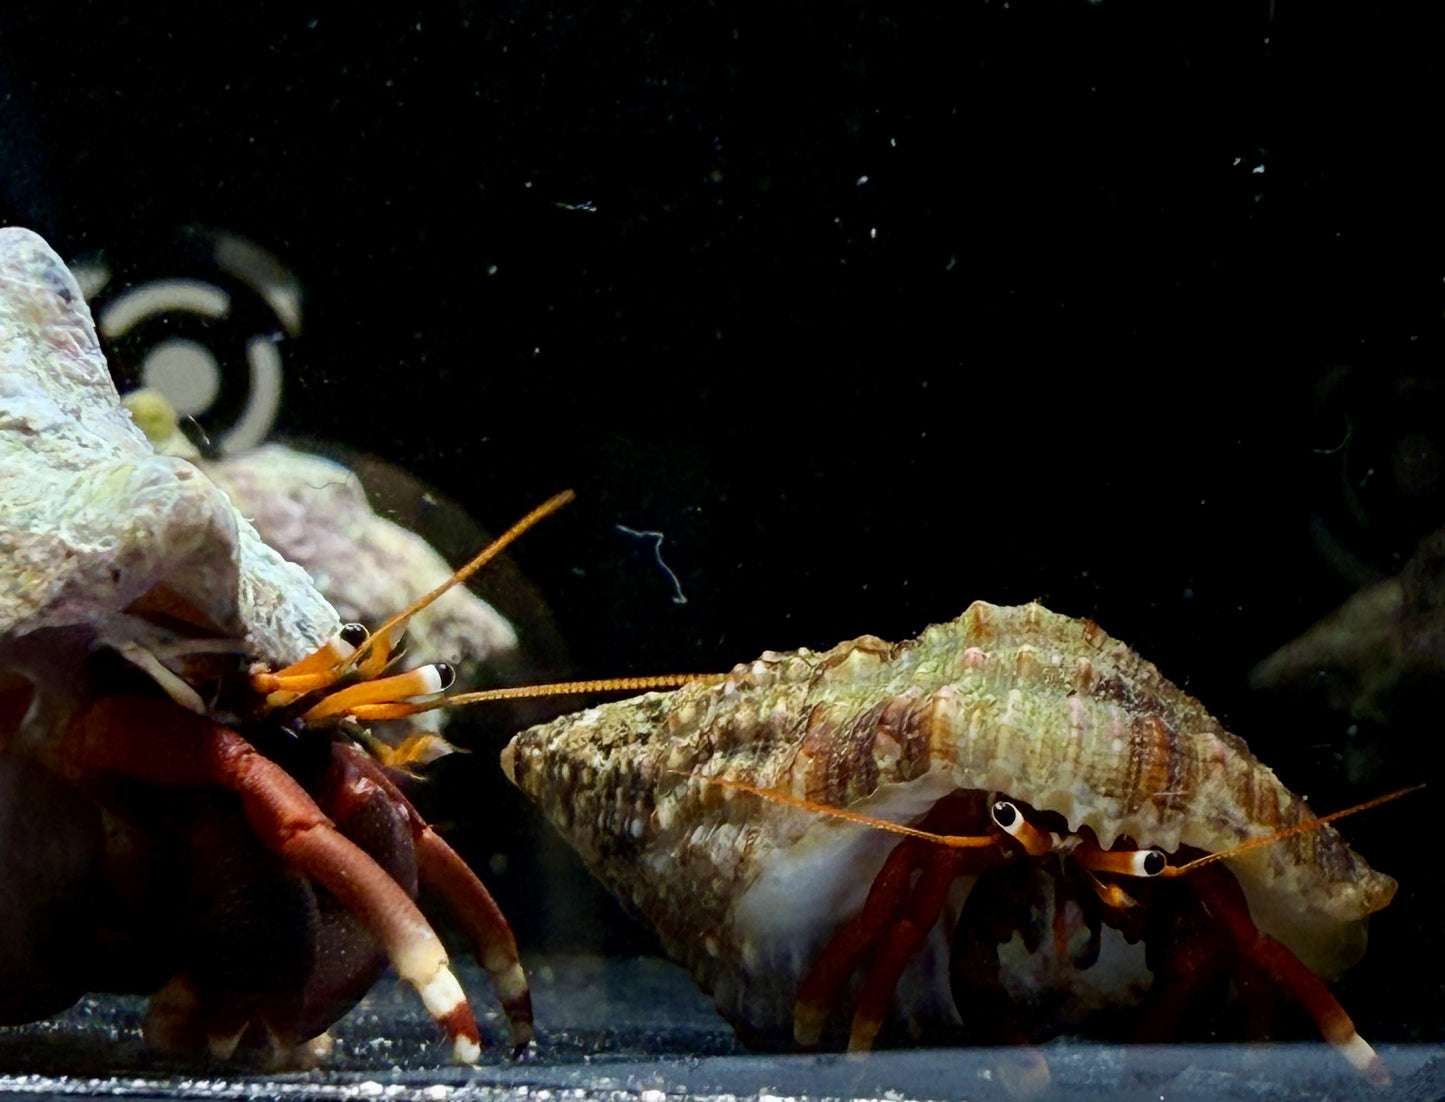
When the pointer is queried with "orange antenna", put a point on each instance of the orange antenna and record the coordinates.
(951, 841)
(487, 554)
(400, 709)
(1287, 832)
(965, 841)
(571, 688)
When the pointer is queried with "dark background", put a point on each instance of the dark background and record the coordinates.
(872, 310)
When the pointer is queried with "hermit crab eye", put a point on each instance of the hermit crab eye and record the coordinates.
(1006, 816)
(425, 680)
(1011, 821)
(1149, 862)
(353, 635)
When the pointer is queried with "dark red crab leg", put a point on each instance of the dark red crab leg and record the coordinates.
(905, 934)
(156, 742)
(442, 870)
(893, 922)
(1225, 900)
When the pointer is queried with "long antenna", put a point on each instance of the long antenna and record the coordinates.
(487, 554)
(399, 709)
(952, 841)
(1287, 832)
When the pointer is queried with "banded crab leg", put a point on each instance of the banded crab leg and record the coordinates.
(442, 870)
(902, 907)
(1224, 899)
(152, 741)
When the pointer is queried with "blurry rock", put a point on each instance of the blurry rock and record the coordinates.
(99, 529)
(1386, 639)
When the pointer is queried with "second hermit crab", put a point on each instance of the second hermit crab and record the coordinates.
(1065, 829)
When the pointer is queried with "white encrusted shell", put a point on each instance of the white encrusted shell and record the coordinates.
(1021, 701)
(90, 517)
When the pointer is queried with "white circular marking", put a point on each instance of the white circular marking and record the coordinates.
(185, 372)
(188, 296)
(255, 422)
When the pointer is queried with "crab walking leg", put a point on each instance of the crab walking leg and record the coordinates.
(442, 870)
(154, 742)
(839, 958)
(940, 868)
(893, 921)
(472, 906)
(1225, 900)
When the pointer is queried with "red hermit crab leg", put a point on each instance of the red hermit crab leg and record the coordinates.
(895, 919)
(155, 742)
(442, 870)
(1227, 904)
(360, 660)
(900, 910)
(1228, 907)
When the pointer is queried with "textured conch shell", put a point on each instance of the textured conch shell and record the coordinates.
(1020, 701)
(91, 519)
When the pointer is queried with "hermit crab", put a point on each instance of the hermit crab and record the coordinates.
(956, 835)
(191, 805)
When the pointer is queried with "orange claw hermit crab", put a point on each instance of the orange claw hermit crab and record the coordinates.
(1073, 813)
(189, 805)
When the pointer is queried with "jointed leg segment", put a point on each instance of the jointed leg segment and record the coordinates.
(155, 742)
(1226, 902)
(908, 895)
(905, 901)
(442, 870)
